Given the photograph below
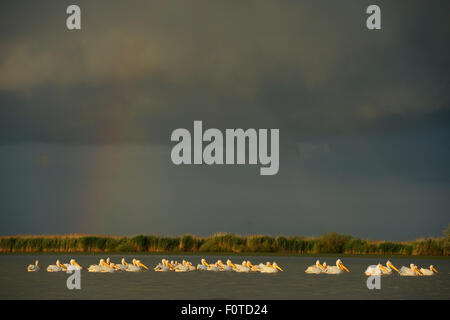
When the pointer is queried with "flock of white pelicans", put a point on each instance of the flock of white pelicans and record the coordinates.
(163, 266)
(372, 270)
(246, 266)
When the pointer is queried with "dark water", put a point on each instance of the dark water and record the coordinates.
(294, 283)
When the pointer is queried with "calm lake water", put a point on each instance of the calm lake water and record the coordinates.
(294, 283)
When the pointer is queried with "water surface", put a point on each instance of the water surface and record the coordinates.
(294, 283)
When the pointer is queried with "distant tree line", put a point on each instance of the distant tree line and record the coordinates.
(227, 243)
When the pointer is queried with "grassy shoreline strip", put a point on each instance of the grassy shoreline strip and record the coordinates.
(330, 243)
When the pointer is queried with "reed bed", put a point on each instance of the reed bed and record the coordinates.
(330, 243)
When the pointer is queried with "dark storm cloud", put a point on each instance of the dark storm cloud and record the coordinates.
(364, 117)
(138, 70)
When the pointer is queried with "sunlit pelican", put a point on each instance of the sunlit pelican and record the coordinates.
(339, 268)
(269, 268)
(276, 266)
(181, 267)
(163, 266)
(116, 267)
(34, 267)
(231, 264)
(411, 271)
(315, 269)
(242, 267)
(376, 270)
(389, 266)
(96, 267)
(224, 267)
(140, 265)
(56, 267)
(209, 267)
(251, 266)
(190, 266)
(170, 265)
(105, 267)
(429, 272)
(123, 265)
(73, 265)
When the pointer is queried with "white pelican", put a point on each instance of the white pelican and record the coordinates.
(389, 266)
(105, 267)
(96, 267)
(182, 267)
(231, 265)
(137, 266)
(429, 272)
(242, 267)
(73, 265)
(224, 267)
(376, 270)
(163, 266)
(315, 269)
(411, 271)
(276, 266)
(116, 267)
(252, 267)
(339, 268)
(141, 265)
(34, 267)
(269, 268)
(190, 266)
(56, 267)
(123, 265)
(209, 267)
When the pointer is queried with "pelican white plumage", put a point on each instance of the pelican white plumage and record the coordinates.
(184, 266)
(316, 268)
(389, 267)
(160, 267)
(337, 269)
(224, 267)
(411, 271)
(231, 264)
(375, 270)
(105, 267)
(242, 267)
(141, 266)
(122, 266)
(431, 271)
(137, 266)
(180, 267)
(34, 267)
(56, 267)
(276, 266)
(164, 266)
(191, 267)
(73, 265)
(96, 267)
(209, 267)
(250, 265)
(269, 267)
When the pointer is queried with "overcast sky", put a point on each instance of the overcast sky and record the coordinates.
(86, 117)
